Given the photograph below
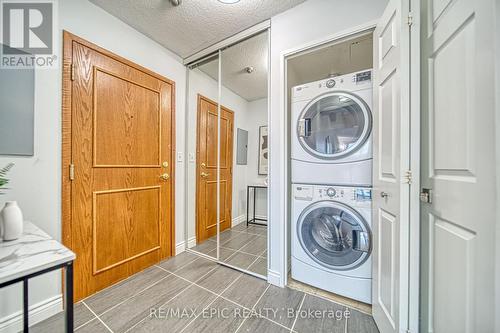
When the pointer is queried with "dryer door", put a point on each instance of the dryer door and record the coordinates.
(334, 125)
(334, 235)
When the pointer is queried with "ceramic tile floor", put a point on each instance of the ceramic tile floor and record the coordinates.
(241, 246)
(189, 293)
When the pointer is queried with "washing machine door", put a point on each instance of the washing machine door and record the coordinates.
(334, 235)
(334, 125)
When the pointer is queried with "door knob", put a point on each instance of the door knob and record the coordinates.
(204, 174)
(164, 176)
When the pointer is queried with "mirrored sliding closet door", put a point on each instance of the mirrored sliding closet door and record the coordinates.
(228, 156)
(244, 155)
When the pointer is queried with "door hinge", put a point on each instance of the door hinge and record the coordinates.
(72, 70)
(410, 19)
(408, 177)
(71, 171)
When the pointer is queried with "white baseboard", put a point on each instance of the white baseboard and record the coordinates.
(192, 242)
(238, 219)
(181, 246)
(274, 278)
(13, 323)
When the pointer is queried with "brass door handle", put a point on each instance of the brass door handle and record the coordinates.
(204, 174)
(164, 176)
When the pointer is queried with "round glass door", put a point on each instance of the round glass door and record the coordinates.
(334, 125)
(334, 235)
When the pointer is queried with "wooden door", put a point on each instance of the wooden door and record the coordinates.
(206, 169)
(391, 163)
(458, 166)
(121, 186)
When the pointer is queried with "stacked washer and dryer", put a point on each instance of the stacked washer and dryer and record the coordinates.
(331, 173)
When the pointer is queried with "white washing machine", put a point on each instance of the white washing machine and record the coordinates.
(331, 131)
(332, 239)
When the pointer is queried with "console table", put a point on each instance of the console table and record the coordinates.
(254, 219)
(33, 254)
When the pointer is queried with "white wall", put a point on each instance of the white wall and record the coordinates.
(309, 22)
(36, 181)
(256, 117)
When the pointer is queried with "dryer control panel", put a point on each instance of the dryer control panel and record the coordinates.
(354, 196)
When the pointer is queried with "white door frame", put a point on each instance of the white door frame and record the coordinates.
(414, 251)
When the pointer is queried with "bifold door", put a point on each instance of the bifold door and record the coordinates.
(391, 139)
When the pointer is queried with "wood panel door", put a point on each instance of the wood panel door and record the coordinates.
(206, 169)
(121, 167)
(391, 163)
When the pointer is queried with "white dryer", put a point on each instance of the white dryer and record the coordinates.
(332, 240)
(331, 131)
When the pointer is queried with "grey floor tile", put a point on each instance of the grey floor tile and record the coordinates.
(258, 230)
(223, 253)
(174, 263)
(221, 316)
(240, 227)
(246, 291)
(360, 322)
(319, 315)
(176, 314)
(259, 267)
(241, 260)
(261, 325)
(228, 234)
(205, 247)
(239, 241)
(57, 322)
(218, 279)
(257, 246)
(138, 307)
(197, 269)
(119, 292)
(95, 326)
(284, 300)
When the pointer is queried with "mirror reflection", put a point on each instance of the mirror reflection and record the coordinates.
(241, 123)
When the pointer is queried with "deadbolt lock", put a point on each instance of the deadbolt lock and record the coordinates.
(203, 165)
(165, 164)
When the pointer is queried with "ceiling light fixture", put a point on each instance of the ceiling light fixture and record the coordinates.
(229, 2)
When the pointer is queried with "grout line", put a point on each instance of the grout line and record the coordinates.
(169, 300)
(253, 307)
(345, 330)
(211, 301)
(298, 312)
(98, 318)
(137, 293)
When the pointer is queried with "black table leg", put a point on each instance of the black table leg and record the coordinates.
(26, 325)
(254, 195)
(248, 204)
(69, 298)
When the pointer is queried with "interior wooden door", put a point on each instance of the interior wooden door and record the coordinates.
(121, 151)
(206, 169)
(458, 166)
(391, 163)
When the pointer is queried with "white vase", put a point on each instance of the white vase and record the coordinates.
(11, 221)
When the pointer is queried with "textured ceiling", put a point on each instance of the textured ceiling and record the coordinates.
(338, 59)
(252, 52)
(195, 24)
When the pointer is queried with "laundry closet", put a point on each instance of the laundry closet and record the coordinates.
(330, 168)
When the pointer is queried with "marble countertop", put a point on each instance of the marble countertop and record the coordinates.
(34, 251)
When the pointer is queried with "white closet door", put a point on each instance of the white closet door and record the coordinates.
(458, 164)
(391, 134)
